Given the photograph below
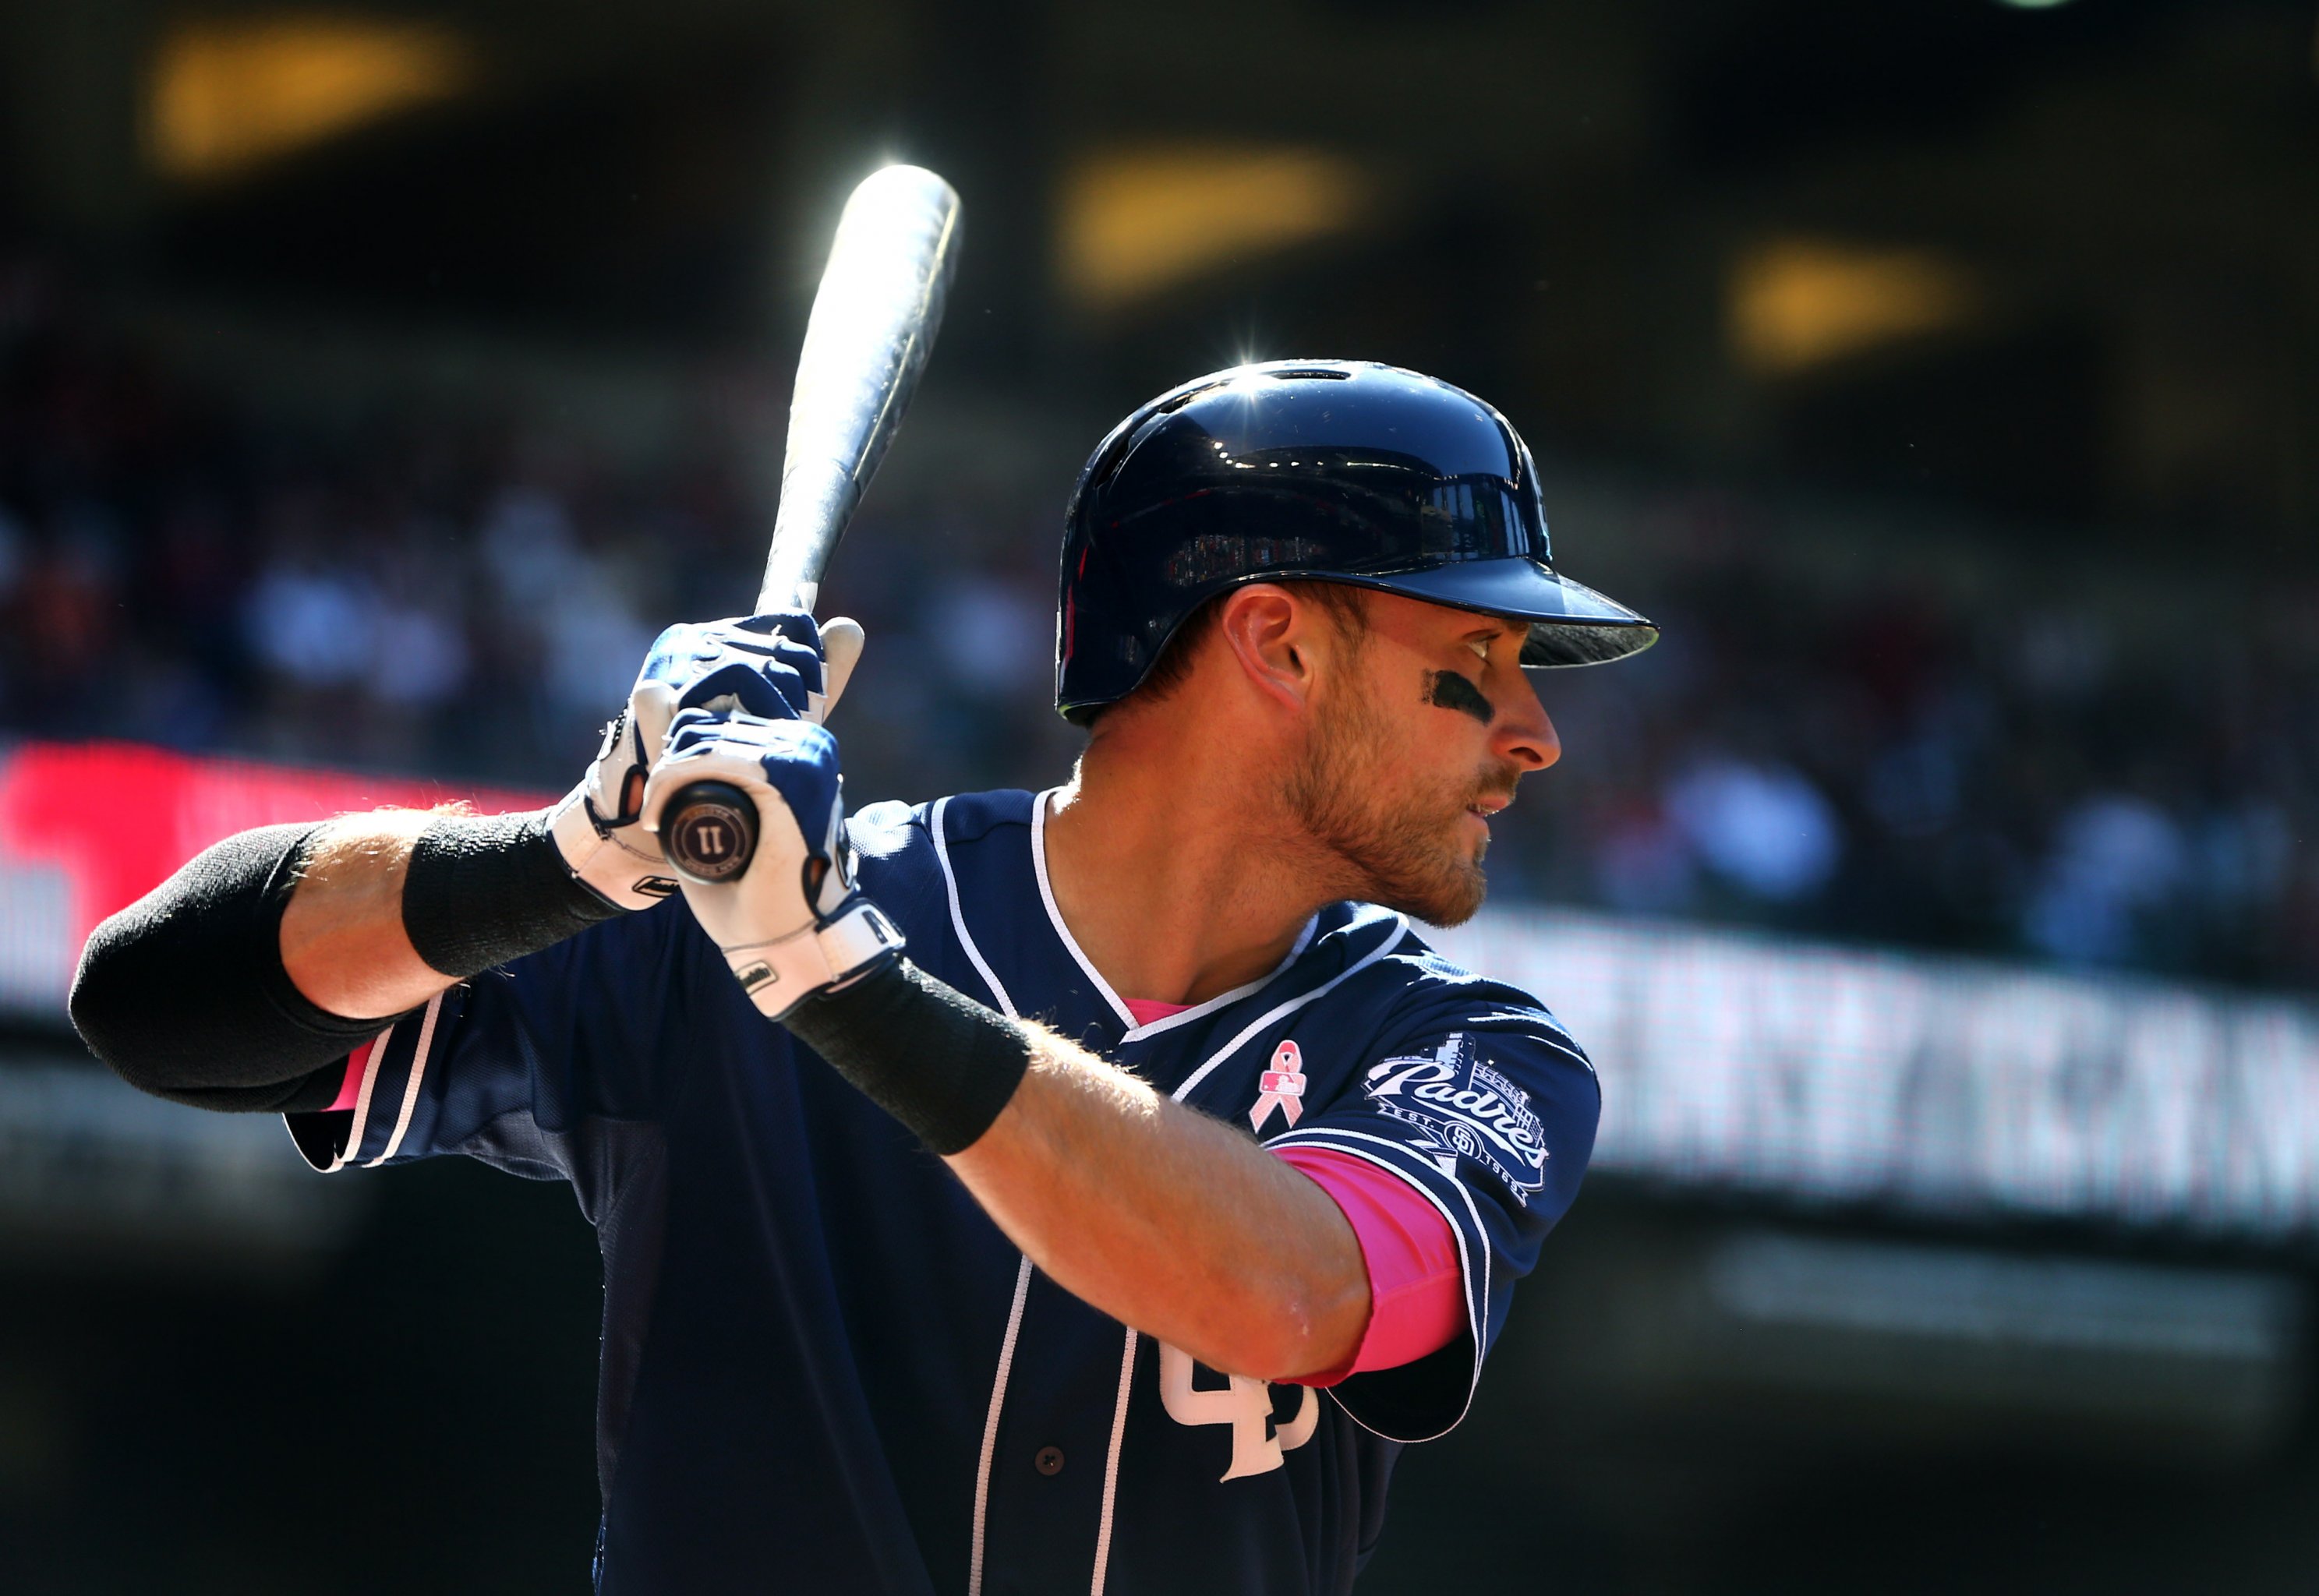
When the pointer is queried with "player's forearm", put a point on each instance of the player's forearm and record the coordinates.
(343, 940)
(1169, 1221)
(394, 907)
(240, 982)
(1178, 1225)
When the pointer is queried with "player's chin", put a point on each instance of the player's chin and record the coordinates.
(1449, 896)
(1460, 906)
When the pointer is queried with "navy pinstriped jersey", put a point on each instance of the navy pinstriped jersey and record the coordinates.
(825, 1370)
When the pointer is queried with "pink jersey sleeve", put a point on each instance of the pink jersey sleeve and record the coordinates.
(358, 1066)
(1417, 1289)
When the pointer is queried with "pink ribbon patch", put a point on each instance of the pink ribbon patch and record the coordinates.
(1283, 1086)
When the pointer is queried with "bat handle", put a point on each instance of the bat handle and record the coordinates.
(709, 832)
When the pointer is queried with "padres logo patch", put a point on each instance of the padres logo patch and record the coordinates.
(1467, 1109)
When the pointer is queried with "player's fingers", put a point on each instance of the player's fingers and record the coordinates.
(699, 749)
(793, 757)
(801, 659)
(651, 706)
(770, 688)
(795, 625)
(675, 655)
(841, 646)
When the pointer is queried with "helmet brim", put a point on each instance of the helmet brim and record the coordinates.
(1571, 623)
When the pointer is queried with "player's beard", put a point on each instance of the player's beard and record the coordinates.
(1402, 840)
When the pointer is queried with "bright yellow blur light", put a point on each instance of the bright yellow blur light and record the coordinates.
(1798, 302)
(1137, 222)
(225, 95)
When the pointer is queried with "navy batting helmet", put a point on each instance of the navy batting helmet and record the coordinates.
(1324, 470)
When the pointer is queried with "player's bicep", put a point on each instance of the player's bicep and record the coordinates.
(1503, 1111)
(1493, 1127)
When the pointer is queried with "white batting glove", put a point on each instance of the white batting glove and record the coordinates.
(792, 924)
(596, 828)
(774, 664)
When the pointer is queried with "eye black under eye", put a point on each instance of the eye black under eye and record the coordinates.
(1450, 691)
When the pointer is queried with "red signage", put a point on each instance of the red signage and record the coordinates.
(117, 818)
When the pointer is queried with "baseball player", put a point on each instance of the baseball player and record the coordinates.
(1090, 1189)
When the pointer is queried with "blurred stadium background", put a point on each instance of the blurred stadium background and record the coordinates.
(1940, 900)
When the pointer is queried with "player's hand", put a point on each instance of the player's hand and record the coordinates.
(596, 828)
(778, 665)
(792, 924)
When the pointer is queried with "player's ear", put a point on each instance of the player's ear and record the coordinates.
(1268, 636)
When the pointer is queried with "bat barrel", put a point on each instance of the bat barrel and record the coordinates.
(873, 324)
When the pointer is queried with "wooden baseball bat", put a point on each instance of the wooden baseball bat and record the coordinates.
(873, 324)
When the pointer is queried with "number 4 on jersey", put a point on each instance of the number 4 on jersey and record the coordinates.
(1245, 1405)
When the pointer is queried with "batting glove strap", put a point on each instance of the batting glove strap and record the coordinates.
(834, 951)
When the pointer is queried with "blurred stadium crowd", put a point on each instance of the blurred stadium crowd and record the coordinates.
(2031, 767)
(2096, 775)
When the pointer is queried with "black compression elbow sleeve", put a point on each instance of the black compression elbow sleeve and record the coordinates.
(925, 1052)
(184, 993)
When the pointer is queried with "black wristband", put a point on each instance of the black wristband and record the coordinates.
(184, 993)
(484, 889)
(925, 1052)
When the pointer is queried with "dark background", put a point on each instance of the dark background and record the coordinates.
(1943, 373)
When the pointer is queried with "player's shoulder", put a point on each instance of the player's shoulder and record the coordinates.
(1392, 948)
(893, 829)
(907, 853)
(1421, 990)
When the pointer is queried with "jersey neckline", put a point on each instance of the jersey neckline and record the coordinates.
(1135, 1030)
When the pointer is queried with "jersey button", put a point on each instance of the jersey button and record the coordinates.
(1050, 1460)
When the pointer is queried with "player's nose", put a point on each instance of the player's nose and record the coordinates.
(1524, 736)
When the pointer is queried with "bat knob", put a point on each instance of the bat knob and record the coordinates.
(709, 832)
